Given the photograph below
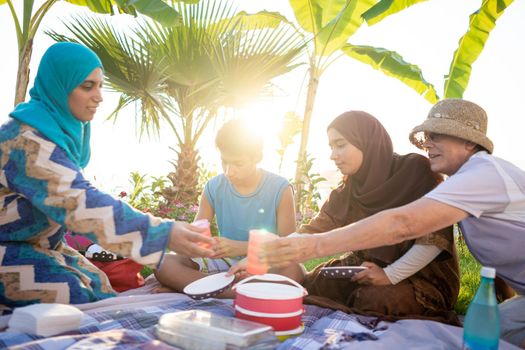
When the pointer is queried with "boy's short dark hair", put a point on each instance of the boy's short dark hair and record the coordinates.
(237, 137)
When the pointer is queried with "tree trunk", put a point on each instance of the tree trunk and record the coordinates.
(313, 83)
(22, 78)
(184, 179)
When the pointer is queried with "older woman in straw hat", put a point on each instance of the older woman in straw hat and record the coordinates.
(485, 194)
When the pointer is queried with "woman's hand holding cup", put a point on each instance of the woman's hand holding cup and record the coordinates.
(284, 251)
(186, 238)
(205, 224)
(255, 265)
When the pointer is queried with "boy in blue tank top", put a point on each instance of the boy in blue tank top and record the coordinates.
(243, 198)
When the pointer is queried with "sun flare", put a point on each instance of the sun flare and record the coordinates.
(265, 118)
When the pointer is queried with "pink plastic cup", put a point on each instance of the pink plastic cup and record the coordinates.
(206, 224)
(257, 238)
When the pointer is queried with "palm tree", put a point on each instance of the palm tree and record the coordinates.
(27, 28)
(181, 76)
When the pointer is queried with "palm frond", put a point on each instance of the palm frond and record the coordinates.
(249, 59)
(129, 68)
(183, 74)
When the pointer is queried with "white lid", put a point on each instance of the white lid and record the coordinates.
(209, 284)
(489, 272)
(269, 291)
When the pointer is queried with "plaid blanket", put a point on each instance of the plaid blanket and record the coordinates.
(132, 327)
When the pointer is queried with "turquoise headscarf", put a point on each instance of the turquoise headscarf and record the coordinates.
(63, 67)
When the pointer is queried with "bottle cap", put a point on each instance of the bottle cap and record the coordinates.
(489, 272)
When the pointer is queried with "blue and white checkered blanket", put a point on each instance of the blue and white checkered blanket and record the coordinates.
(130, 325)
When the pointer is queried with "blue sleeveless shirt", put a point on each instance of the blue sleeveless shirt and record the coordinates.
(237, 214)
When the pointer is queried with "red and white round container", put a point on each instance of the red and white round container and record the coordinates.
(275, 304)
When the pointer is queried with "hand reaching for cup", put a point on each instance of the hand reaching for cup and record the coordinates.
(284, 251)
(252, 264)
(185, 239)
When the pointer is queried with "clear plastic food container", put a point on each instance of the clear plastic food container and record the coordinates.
(202, 330)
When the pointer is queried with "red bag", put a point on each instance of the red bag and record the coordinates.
(123, 273)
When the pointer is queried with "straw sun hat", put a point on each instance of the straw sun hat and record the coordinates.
(455, 117)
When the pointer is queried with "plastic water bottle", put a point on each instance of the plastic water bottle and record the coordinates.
(481, 327)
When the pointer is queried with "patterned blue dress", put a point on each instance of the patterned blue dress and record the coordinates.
(42, 194)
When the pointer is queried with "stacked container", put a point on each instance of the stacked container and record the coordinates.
(269, 301)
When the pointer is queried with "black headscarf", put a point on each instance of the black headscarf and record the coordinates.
(385, 179)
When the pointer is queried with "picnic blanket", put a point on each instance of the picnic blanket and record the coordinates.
(127, 322)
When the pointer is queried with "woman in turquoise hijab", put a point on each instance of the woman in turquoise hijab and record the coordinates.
(43, 148)
(48, 110)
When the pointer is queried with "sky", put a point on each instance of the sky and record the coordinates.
(426, 34)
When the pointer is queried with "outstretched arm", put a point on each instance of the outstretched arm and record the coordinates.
(42, 174)
(388, 227)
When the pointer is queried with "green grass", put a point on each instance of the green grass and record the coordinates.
(146, 271)
(470, 270)
(311, 264)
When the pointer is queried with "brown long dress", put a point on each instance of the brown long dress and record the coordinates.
(384, 180)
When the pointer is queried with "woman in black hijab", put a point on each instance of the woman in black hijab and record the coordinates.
(413, 279)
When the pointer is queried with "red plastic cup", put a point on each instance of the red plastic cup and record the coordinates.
(257, 238)
(205, 224)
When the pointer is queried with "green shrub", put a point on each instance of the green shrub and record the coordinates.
(308, 196)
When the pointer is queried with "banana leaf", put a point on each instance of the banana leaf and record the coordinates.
(385, 8)
(346, 22)
(392, 64)
(471, 45)
(330, 22)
